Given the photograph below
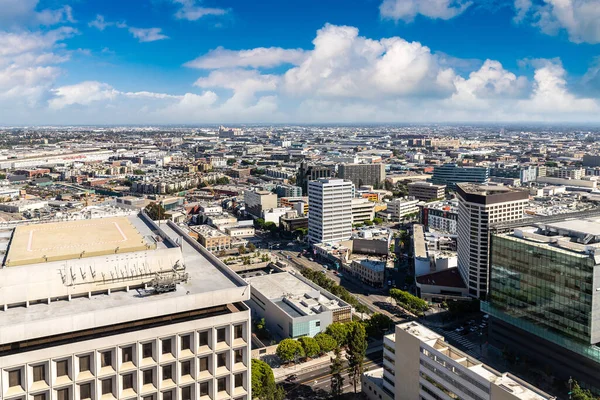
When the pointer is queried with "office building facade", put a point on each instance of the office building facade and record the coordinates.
(426, 191)
(329, 210)
(363, 174)
(478, 207)
(451, 174)
(257, 201)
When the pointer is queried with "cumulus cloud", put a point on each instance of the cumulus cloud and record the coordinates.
(255, 58)
(19, 13)
(344, 64)
(407, 10)
(580, 19)
(147, 35)
(100, 23)
(191, 10)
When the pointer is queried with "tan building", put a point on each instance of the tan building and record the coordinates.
(211, 238)
(426, 191)
(258, 201)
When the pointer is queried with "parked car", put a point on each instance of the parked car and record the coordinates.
(291, 378)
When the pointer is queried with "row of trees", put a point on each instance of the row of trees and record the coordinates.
(263, 382)
(409, 302)
(328, 284)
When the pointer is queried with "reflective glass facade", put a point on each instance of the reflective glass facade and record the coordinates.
(547, 289)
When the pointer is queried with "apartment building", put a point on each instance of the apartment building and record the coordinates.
(440, 216)
(362, 210)
(330, 210)
(132, 311)
(478, 207)
(399, 208)
(419, 364)
(212, 238)
(363, 174)
(426, 191)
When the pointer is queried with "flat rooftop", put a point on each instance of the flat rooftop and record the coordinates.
(38, 243)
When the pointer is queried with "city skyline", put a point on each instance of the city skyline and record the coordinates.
(384, 61)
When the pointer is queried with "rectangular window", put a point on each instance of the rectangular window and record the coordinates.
(147, 377)
(167, 372)
(106, 386)
(221, 384)
(62, 394)
(186, 368)
(239, 355)
(127, 381)
(106, 359)
(85, 391)
(220, 335)
(186, 393)
(221, 359)
(203, 339)
(39, 373)
(239, 380)
(203, 389)
(167, 396)
(39, 396)
(204, 364)
(166, 346)
(185, 342)
(238, 332)
(84, 363)
(14, 378)
(62, 368)
(127, 354)
(147, 350)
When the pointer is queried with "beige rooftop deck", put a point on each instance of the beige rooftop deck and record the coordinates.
(58, 241)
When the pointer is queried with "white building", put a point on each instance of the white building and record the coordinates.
(419, 365)
(329, 210)
(399, 208)
(129, 310)
(478, 207)
(362, 210)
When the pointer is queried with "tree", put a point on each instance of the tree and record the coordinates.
(242, 250)
(263, 382)
(577, 393)
(368, 223)
(361, 308)
(326, 342)
(261, 324)
(336, 369)
(138, 172)
(251, 247)
(357, 349)
(377, 220)
(408, 301)
(289, 349)
(339, 332)
(377, 325)
(155, 211)
(310, 346)
(230, 161)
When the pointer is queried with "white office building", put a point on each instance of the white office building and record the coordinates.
(399, 208)
(478, 207)
(120, 308)
(329, 210)
(419, 365)
(362, 210)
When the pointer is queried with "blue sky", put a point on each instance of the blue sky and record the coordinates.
(333, 61)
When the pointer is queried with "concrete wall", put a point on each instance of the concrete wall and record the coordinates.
(407, 354)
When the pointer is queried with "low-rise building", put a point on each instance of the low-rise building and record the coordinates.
(370, 271)
(362, 210)
(426, 191)
(440, 216)
(212, 238)
(240, 231)
(399, 208)
(19, 206)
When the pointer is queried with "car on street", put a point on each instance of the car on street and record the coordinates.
(291, 378)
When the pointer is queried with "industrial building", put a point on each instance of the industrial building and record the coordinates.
(119, 308)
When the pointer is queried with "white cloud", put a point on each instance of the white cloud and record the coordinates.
(344, 64)
(100, 23)
(191, 10)
(83, 93)
(407, 10)
(19, 13)
(148, 35)
(579, 18)
(255, 58)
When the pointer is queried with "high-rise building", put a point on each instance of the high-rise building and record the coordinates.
(478, 207)
(257, 201)
(419, 364)
(119, 308)
(363, 174)
(426, 191)
(307, 173)
(543, 299)
(451, 174)
(329, 210)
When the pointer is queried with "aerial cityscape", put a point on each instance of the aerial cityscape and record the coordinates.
(365, 199)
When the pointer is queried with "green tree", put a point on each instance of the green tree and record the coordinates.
(339, 332)
(289, 350)
(138, 172)
(377, 325)
(368, 223)
(231, 161)
(577, 393)
(357, 349)
(408, 301)
(242, 250)
(377, 220)
(251, 247)
(326, 342)
(155, 211)
(263, 382)
(361, 308)
(337, 379)
(310, 346)
(261, 324)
